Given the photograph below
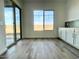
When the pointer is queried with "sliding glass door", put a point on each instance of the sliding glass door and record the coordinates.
(12, 24)
(17, 16)
(9, 26)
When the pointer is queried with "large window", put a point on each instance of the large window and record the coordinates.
(12, 24)
(43, 20)
(9, 27)
(38, 20)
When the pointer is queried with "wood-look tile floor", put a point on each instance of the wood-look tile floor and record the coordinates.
(39, 49)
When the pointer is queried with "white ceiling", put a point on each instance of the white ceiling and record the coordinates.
(44, 0)
(25, 1)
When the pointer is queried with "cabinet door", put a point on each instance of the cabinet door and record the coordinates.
(60, 33)
(70, 34)
(76, 43)
(76, 40)
(64, 34)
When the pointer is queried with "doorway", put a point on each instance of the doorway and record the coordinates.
(9, 26)
(18, 22)
(12, 23)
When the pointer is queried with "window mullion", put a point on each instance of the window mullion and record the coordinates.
(43, 20)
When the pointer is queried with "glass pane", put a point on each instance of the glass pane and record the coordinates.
(9, 28)
(17, 23)
(49, 17)
(38, 20)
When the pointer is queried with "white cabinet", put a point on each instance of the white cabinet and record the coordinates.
(76, 40)
(70, 36)
(62, 33)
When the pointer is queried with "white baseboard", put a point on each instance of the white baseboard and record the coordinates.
(39, 37)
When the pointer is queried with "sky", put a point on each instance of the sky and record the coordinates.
(9, 16)
(38, 17)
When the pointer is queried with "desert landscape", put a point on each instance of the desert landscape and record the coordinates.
(10, 29)
(40, 27)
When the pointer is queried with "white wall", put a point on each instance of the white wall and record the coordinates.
(27, 22)
(2, 28)
(73, 9)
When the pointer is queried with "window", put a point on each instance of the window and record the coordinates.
(17, 11)
(38, 20)
(43, 20)
(9, 27)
